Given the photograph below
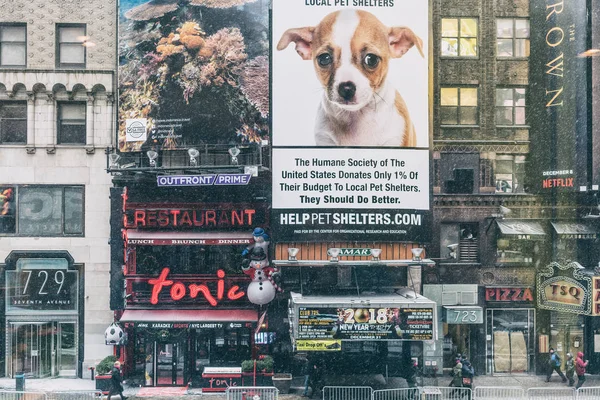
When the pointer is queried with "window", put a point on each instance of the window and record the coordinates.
(13, 122)
(13, 45)
(150, 260)
(459, 106)
(71, 123)
(458, 242)
(510, 174)
(459, 37)
(41, 210)
(70, 48)
(510, 106)
(512, 37)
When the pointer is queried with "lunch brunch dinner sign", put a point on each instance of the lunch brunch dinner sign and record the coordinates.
(350, 120)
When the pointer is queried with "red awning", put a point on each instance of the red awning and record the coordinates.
(183, 316)
(182, 238)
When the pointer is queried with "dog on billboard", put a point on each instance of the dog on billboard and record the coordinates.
(351, 51)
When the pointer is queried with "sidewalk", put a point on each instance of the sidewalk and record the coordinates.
(377, 382)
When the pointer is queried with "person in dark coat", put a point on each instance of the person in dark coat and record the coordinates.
(317, 377)
(116, 382)
(307, 372)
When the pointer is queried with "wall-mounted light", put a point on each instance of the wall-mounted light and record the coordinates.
(113, 160)
(375, 253)
(152, 156)
(194, 154)
(504, 211)
(590, 53)
(85, 41)
(416, 252)
(292, 253)
(234, 152)
(334, 253)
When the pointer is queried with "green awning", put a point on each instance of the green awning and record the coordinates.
(521, 228)
(575, 230)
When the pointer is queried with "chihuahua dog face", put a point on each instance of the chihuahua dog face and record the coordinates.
(350, 51)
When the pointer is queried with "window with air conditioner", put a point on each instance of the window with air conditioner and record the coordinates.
(459, 242)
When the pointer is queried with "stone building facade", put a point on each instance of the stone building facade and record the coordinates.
(57, 117)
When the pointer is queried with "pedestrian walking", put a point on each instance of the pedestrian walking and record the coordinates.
(554, 365)
(457, 374)
(316, 378)
(570, 369)
(580, 366)
(411, 374)
(307, 372)
(116, 382)
(467, 373)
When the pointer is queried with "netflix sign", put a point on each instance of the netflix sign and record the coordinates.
(196, 216)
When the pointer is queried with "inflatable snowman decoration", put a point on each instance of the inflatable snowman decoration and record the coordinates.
(262, 289)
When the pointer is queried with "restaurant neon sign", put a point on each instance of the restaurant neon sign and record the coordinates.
(179, 290)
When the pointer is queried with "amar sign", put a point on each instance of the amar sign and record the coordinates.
(565, 288)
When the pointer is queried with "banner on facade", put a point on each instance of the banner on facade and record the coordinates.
(350, 138)
(557, 102)
(365, 323)
(193, 73)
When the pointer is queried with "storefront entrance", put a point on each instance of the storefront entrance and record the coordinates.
(566, 334)
(510, 340)
(177, 356)
(42, 349)
(169, 365)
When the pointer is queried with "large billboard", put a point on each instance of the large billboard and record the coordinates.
(350, 120)
(557, 101)
(193, 73)
(365, 323)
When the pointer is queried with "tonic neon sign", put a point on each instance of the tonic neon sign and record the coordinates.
(179, 290)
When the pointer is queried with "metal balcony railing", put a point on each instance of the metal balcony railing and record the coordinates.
(196, 159)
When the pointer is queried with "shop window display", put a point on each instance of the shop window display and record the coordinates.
(512, 340)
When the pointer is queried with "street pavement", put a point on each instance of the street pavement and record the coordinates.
(377, 382)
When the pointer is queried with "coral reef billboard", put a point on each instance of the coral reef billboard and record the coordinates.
(193, 72)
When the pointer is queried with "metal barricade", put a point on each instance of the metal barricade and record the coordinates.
(396, 394)
(75, 395)
(347, 393)
(445, 393)
(498, 393)
(588, 393)
(252, 393)
(27, 395)
(553, 393)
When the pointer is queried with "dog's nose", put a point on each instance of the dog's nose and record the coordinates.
(346, 90)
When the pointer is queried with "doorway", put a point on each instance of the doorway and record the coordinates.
(567, 339)
(170, 363)
(42, 349)
(510, 341)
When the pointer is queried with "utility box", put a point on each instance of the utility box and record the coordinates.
(20, 382)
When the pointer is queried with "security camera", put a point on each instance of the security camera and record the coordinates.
(453, 249)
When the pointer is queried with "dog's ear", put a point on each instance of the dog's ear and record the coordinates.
(303, 38)
(402, 39)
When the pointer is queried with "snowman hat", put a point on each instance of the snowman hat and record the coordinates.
(258, 254)
(258, 232)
